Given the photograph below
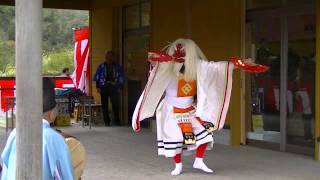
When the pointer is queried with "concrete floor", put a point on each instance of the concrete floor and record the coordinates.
(117, 153)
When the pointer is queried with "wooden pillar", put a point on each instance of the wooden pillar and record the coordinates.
(29, 89)
(317, 100)
(243, 90)
(236, 105)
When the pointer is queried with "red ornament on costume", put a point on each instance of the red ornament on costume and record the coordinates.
(159, 56)
(249, 66)
(179, 53)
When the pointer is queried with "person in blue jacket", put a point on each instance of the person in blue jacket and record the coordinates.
(56, 159)
(109, 78)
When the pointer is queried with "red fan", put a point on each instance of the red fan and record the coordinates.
(246, 65)
(159, 56)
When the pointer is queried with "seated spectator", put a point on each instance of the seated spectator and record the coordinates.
(65, 72)
(55, 153)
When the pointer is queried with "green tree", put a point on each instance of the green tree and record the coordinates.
(6, 41)
(7, 58)
(58, 26)
(57, 39)
(6, 23)
(55, 61)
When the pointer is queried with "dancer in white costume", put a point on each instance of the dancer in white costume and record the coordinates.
(184, 123)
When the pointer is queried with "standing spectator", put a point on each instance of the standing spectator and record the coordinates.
(109, 77)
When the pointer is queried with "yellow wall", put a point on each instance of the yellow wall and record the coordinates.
(317, 115)
(105, 33)
(218, 37)
(101, 36)
(168, 22)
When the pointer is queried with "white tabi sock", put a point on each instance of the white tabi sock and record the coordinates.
(177, 170)
(199, 164)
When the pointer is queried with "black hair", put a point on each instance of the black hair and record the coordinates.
(110, 52)
(183, 68)
(49, 101)
(65, 70)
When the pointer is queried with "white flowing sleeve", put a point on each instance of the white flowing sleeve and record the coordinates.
(214, 84)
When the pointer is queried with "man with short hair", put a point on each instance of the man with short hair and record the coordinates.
(56, 162)
(109, 77)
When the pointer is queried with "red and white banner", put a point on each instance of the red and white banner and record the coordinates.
(80, 76)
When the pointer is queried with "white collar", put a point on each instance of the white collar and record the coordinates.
(45, 121)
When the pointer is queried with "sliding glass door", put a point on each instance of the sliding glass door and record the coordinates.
(282, 100)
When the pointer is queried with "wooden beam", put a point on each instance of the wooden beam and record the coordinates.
(29, 89)
(69, 4)
(59, 4)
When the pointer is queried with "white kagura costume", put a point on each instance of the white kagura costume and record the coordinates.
(214, 83)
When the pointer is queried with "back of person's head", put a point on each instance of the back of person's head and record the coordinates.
(110, 56)
(49, 101)
(65, 70)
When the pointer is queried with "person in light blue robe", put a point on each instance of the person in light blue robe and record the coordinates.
(55, 153)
